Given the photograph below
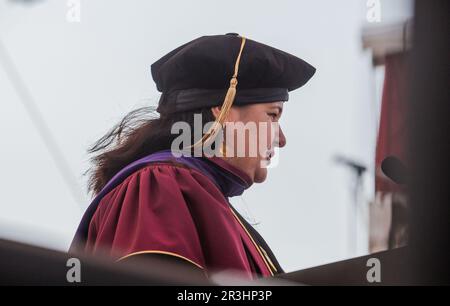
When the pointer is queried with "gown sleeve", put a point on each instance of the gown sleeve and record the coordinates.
(148, 213)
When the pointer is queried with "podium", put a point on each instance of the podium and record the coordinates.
(394, 269)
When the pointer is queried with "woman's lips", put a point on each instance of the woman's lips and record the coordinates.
(268, 157)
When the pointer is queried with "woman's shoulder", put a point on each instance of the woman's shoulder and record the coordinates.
(163, 180)
(171, 172)
(162, 193)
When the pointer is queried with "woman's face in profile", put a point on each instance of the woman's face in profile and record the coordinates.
(251, 134)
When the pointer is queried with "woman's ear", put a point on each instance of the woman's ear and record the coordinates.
(233, 114)
(215, 111)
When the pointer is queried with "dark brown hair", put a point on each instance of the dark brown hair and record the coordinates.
(139, 133)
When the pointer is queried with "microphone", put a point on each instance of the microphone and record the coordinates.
(359, 168)
(395, 170)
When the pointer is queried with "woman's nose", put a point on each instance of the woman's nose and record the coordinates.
(281, 139)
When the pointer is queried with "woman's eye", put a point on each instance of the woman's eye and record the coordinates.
(273, 115)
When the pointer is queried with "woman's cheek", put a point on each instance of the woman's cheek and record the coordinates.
(271, 134)
(275, 134)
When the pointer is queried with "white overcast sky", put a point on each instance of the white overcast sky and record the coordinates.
(85, 76)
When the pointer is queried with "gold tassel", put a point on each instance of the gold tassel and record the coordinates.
(226, 106)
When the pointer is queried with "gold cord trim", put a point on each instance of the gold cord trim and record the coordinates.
(255, 244)
(161, 252)
(268, 259)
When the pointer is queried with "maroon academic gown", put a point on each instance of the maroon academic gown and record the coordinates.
(170, 208)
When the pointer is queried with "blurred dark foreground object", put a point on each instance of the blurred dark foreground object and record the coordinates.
(22, 264)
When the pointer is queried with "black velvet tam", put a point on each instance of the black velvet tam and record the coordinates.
(197, 74)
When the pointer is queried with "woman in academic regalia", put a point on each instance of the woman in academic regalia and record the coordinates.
(154, 200)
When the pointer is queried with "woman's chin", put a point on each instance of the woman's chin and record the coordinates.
(260, 175)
